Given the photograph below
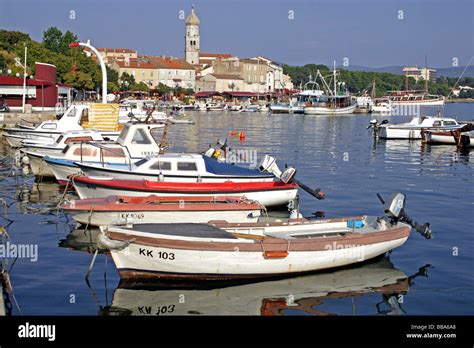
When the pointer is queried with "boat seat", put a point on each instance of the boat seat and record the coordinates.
(183, 230)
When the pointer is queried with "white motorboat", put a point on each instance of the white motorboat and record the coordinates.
(48, 131)
(280, 108)
(36, 151)
(412, 129)
(230, 251)
(267, 193)
(137, 110)
(177, 167)
(382, 106)
(136, 141)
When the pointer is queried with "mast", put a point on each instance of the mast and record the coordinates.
(334, 78)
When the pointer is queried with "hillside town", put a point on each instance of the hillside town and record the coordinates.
(200, 71)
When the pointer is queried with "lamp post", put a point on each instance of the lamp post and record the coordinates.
(17, 63)
(102, 66)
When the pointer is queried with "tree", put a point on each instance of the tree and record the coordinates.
(142, 86)
(162, 88)
(127, 81)
(56, 41)
(52, 39)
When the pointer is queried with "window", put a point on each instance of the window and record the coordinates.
(187, 166)
(49, 126)
(140, 162)
(160, 165)
(114, 152)
(77, 139)
(450, 123)
(140, 137)
(86, 151)
(436, 123)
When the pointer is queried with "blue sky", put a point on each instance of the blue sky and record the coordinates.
(367, 32)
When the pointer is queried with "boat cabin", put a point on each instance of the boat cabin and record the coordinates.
(192, 164)
(135, 141)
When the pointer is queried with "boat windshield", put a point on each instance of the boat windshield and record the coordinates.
(140, 162)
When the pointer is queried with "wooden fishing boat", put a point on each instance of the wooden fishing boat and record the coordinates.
(119, 210)
(268, 193)
(224, 251)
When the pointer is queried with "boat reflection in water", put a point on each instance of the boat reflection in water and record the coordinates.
(294, 296)
(39, 197)
(82, 239)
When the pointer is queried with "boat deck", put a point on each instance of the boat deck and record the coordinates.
(182, 230)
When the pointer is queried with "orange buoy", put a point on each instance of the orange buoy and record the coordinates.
(232, 133)
(242, 135)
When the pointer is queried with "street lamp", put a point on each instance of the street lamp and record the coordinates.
(102, 66)
(18, 63)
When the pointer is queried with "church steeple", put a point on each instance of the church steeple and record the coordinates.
(192, 38)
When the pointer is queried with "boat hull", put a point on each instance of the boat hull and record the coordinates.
(236, 260)
(434, 102)
(104, 218)
(318, 110)
(38, 166)
(93, 188)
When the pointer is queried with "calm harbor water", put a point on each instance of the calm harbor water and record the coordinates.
(337, 154)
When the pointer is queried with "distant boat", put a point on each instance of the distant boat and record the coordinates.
(413, 129)
(462, 137)
(336, 102)
(280, 108)
(310, 92)
(419, 98)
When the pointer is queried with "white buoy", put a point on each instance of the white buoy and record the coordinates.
(25, 160)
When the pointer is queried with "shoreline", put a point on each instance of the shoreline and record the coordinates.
(460, 100)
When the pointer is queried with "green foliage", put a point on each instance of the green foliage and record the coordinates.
(143, 87)
(360, 81)
(162, 88)
(10, 39)
(189, 91)
(54, 40)
(466, 93)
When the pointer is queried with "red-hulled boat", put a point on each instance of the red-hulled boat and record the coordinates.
(118, 210)
(268, 193)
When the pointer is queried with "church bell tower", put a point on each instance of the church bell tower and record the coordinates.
(192, 38)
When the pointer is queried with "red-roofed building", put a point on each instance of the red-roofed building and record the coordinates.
(42, 92)
(154, 70)
(115, 54)
(219, 83)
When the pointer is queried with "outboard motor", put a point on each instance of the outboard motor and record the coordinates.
(268, 164)
(395, 211)
(373, 125)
